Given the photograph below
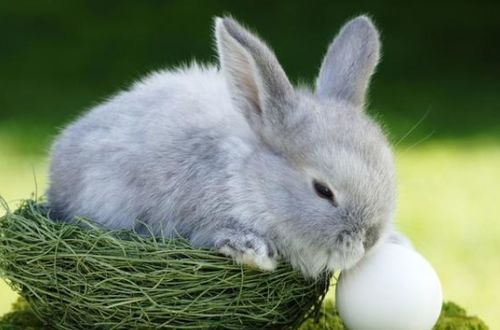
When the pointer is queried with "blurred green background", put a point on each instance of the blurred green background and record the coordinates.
(436, 92)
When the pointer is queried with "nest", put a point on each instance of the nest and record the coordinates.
(80, 276)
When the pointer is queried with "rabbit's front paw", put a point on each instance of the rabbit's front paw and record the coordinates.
(248, 248)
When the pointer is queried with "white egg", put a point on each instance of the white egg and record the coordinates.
(393, 288)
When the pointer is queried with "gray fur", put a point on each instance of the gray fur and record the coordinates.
(227, 157)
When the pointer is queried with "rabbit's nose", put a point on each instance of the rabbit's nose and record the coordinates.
(347, 239)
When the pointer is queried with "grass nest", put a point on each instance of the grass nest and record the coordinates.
(80, 276)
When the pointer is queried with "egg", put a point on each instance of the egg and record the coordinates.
(391, 288)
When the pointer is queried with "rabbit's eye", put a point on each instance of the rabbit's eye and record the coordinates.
(324, 192)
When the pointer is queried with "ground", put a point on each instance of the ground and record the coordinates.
(453, 317)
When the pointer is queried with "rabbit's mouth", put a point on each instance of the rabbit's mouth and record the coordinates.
(346, 257)
(348, 249)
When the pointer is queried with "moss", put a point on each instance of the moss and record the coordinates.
(328, 319)
(21, 317)
(453, 317)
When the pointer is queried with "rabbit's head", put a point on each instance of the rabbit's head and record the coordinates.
(331, 184)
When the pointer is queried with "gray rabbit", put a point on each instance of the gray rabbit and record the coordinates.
(236, 159)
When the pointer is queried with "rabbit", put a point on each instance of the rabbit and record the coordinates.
(235, 159)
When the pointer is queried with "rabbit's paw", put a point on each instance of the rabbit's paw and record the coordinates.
(248, 248)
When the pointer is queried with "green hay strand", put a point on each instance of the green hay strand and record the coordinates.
(79, 276)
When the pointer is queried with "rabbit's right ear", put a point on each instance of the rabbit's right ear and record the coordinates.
(256, 81)
(350, 62)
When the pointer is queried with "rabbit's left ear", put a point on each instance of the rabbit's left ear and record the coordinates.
(256, 80)
(350, 62)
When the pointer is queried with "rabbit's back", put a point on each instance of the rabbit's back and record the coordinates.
(164, 143)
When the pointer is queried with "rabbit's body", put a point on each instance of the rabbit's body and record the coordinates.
(167, 154)
(176, 126)
(230, 159)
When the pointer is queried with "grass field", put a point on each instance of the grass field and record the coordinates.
(448, 205)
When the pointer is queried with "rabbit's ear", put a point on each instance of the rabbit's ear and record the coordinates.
(349, 62)
(256, 81)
